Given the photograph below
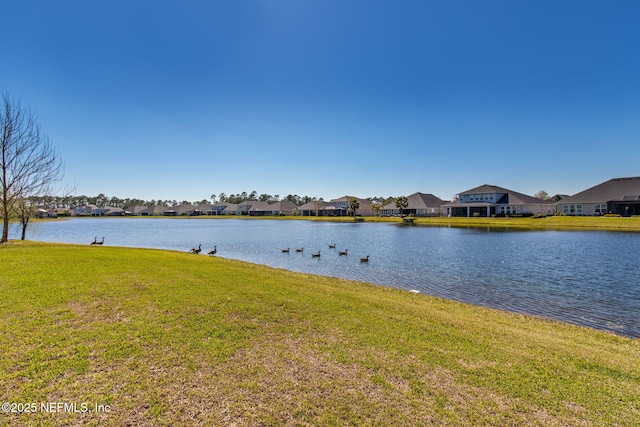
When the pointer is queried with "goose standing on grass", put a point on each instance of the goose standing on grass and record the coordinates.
(95, 241)
(300, 250)
(316, 255)
(365, 259)
(100, 243)
(196, 250)
(343, 252)
(213, 251)
(285, 250)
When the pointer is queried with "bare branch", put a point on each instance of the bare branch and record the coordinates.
(29, 164)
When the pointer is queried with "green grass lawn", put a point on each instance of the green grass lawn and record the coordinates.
(165, 338)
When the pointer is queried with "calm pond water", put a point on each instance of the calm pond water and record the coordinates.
(588, 278)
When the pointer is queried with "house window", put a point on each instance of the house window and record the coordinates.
(573, 209)
(600, 208)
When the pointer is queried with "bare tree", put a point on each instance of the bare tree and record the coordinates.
(543, 195)
(29, 164)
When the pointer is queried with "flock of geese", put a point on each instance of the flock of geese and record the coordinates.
(199, 249)
(287, 250)
(215, 250)
(331, 246)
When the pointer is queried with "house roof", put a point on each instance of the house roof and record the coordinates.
(616, 189)
(418, 201)
(154, 210)
(231, 207)
(486, 188)
(135, 209)
(258, 206)
(312, 206)
(181, 209)
(364, 203)
(283, 205)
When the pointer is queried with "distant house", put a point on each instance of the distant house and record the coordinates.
(92, 210)
(341, 207)
(230, 209)
(335, 207)
(58, 212)
(134, 210)
(44, 213)
(180, 210)
(84, 210)
(419, 204)
(259, 208)
(210, 209)
(617, 196)
(488, 200)
(155, 210)
(114, 211)
(313, 208)
(283, 207)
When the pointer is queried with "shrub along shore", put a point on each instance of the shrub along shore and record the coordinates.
(151, 337)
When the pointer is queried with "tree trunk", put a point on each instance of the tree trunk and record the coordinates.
(5, 229)
(25, 222)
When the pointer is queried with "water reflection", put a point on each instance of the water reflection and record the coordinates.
(587, 278)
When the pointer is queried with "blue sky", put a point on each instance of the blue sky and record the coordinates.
(184, 99)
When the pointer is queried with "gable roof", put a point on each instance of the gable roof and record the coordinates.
(135, 209)
(423, 201)
(418, 201)
(313, 205)
(154, 210)
(284, 205)
(616, 189)
(487, 188)
(258, 206)
(364, 203)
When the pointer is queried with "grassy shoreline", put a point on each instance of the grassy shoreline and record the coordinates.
(631, 224)
(168, 338)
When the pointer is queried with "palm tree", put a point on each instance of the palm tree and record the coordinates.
(402, 203)
(354, 204)
(375, 207)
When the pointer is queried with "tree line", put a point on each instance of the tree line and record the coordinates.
(102, 200)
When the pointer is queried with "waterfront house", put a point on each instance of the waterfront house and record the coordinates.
(489, 200)
(313, 208)
(257, 208)
(341, 206)
(93, 210)
(114, 211)
(134, 210)
(46, 213)
(155, 210)
(617, 196)
(419, 204)
(210, 209)
(283, 207)
(230, 209)
(179, 210)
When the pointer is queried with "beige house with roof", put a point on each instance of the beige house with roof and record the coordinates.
(617, 196)
(419, 204)
(489, 200)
